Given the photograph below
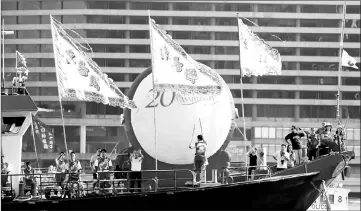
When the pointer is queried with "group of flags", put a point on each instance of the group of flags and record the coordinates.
(80, 78)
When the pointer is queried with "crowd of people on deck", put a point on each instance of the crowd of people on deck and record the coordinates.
(303, 146)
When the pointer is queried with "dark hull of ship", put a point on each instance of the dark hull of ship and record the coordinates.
(279, 193)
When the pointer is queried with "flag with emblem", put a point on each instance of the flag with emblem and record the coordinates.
(79, 77)
(257, 57)
(20, 62)
(43, 137)
(173, 69)
(348, 61)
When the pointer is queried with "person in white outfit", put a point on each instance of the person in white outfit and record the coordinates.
(136, 159)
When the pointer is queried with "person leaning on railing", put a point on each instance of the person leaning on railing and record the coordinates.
(29, 174)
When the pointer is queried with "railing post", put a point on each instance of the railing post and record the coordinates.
(175, 180)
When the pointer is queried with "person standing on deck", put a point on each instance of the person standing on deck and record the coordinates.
(312, 144)
(103, 165)
(282, 158)
(29, 174)
(74, 167)
(321, 129)
(136, 159)
(200, 160)
(292, 158)
(61, 168)
(92, 162)
(252, 154)
(295, 137)
(4, 172)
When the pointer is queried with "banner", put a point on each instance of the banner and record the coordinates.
(257, 57)
(20, 61)
(44, 139)
(79, 77)
(173, 69)
(348, 61)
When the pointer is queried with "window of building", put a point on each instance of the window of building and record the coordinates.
(115, 62)
(207, 62)
(348, 81)
(277, 36)
(227, 50)
(275, 111)
(352, 112)
(71, 109)
(191, 21)
(149, 6)
(139, 63)
(47, 76)
(319, 8)
(34, 91)
(9, 63)
(115, 48)
(247, 110)
(197, 49)
(226, 65)
(132, 77)
(139, 34)
(139, 49)
(237, 7)
(116, 76)
(323, 23)
(350, 95)
(226, 22)
(92, 33)
(317, 95)
(188, 6)
(319, 66)
(352, 38)
(46, 63)
(353, 9)
(320, 37)
(49, 91)
(276, 22)
(46, 48)
(226, 35)
(289, 65)
(8, 5)
(236, 93)
(97, 19)
(105, 138)
(276, 80)
(138, 19)
(237, 136)
(276, 8)
(275, 94)
(161, 20)
(319, 80)
(319, 52)
(317, 112)
(286, 51)
(72, 138)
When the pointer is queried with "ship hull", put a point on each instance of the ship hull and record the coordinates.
(279, 193)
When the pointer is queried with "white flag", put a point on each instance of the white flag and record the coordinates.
(173, 69)
(348, 61)
(257, 57)
(79, 77)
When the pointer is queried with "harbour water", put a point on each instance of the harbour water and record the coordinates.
(354, 204)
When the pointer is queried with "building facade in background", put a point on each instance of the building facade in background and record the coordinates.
(307, 35)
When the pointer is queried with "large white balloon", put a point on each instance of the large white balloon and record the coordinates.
(175, 123)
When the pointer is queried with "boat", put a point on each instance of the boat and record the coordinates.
(292, 191)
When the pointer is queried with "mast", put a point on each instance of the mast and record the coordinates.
(241, 89)
(154, 117)
(338, 113)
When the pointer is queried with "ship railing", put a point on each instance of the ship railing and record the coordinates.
(242, 173)
(14, 91)
(46, 185)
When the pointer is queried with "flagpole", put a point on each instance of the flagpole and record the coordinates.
(3, 50)
(154, 118)
(57, 80)
(32, 132)
(241, 89)
(338, 115)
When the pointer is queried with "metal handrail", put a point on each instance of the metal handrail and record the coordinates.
(67, 185)
(246, 171)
